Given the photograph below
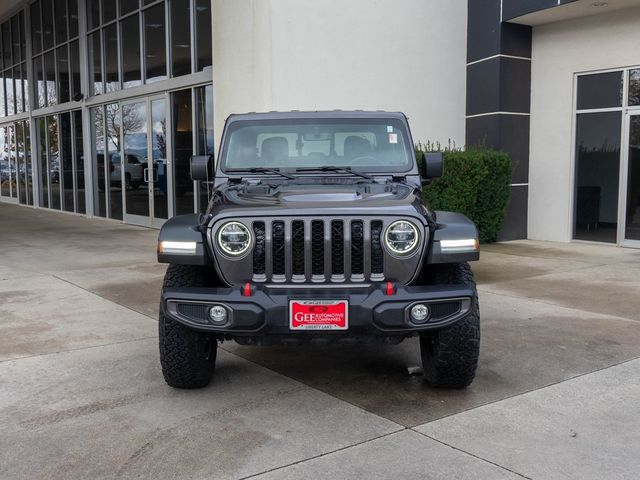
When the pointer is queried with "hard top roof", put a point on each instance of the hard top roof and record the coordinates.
(296, 114)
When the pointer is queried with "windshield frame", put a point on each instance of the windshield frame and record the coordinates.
(398, 122)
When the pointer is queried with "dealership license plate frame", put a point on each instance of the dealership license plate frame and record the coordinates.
(306, 306)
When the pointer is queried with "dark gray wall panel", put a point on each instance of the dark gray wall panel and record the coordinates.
(515, 222)
(483, 29)
(509, 133)
(501, 84)
(515, 40)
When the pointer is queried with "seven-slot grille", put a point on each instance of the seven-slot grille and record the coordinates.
(318, 250)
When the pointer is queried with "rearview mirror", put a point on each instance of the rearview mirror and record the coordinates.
(202, 168)
(432, 165)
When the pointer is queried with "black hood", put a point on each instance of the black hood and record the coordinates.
(330, 195)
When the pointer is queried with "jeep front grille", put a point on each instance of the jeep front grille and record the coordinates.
(318, 250)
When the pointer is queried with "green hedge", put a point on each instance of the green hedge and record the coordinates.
(476, 182)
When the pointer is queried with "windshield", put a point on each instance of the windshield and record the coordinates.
(374, 145)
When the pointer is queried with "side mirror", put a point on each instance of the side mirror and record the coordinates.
(202, 168)
(432, 165)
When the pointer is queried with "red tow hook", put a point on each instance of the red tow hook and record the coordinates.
(390, 289)
(246, 290)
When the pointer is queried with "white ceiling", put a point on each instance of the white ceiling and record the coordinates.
(581, 8)
(9, 6)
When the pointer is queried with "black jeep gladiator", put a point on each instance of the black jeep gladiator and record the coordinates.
(316, 231)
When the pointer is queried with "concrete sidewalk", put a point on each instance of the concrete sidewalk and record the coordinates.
(82, 395)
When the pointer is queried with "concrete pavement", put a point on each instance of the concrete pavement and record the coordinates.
(81, 393)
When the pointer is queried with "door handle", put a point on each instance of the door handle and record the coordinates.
(145, 175)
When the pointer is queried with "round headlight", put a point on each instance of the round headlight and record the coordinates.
(401, 237)
(234, 238)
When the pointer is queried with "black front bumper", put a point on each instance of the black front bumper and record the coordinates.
(266, 311)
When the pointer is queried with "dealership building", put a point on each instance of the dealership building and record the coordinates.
(102, 102)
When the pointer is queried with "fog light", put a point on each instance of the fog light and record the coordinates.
(218, 314)
(419, 313)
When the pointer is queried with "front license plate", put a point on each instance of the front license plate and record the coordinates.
(318, 315)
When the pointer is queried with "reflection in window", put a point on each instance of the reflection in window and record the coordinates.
(97, 122)
(79, 161)
(600, 90)
(634, 87)
(54, 161)
(182, 150)
(17, 75)
(2, 98)
(44, 170)
(8, 87)
(204, 138)
(159, 156)
(154, 44)
(38, 72)
(66, 163)
(50, 78)
(114, 179)
(597, 170)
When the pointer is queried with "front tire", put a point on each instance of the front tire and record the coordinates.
(450, 355)
(187, 357)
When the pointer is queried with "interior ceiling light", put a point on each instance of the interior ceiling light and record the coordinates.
(599, 4)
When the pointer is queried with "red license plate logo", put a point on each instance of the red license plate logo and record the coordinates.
(318, 315)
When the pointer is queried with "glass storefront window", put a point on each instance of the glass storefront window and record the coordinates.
(634, 87)
(62, 59)
(60, 9)
(43, 164)
(155, 52)
(66, 162)
(36, 29)
(204, 136)
(47, 25)
(95, 63)
(2, 98)
(601, 90)
(131, 73)
(181, 37)
(182, 150)
(97, 122)
(50, 78)
(79, 161)
(113, 125)
(111, 71)
(38, 72)
(203, 34)
(597, 175)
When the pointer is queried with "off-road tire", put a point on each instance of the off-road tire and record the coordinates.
(187, 357)
(450, 355)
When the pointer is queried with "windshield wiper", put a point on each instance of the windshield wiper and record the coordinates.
(260, 170)
(328, 168)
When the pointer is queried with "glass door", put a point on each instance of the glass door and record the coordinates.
(143, 162)
(631, 179)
